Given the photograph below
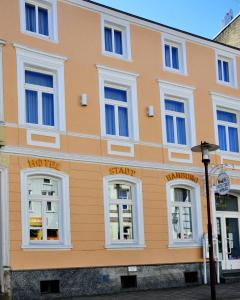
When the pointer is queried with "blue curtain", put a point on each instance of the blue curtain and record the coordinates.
(115, 94)
(222, 137)
(30, 17)
(43, 21)
(118, 42)
(220, 69)
(47, 109)
(123, 121)
(175, 62)
(31, 107)
(225, 71)
(233, 139)
(174, 105)
(38, 78)
(226, 116)
(181, 131)
(167, 56)
(110, 119)
(170, 129)
(108, 39)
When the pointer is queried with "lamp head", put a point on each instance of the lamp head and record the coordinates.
(205, 148)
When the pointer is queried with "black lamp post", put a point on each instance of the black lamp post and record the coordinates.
(205, 148)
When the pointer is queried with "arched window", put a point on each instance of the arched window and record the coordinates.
(184, 213)
(123, 212)
(45, 209)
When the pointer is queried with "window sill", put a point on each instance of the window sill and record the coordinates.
(47, 247)
(118, 56)
(176, 71)
(40, 36)
(185, 245)
(125, 246)
(227, 84)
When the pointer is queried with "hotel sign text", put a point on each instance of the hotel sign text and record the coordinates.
(125, 171)
(43, 163)
(179, 175)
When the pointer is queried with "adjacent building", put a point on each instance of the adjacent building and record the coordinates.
(100, 191)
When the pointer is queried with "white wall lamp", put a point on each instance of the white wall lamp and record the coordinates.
(84, 100)
(150, 111)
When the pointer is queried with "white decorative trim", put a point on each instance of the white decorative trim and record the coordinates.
(122, 26)
(52, 19)
(179, 43)
(65, 207)
(231, 59)
(186, 151)
(138, 220)
(175, 84)
(179, 92)
(196, 213)
(42, 60)
(83, 135)
(1, 86)
(30, 141)
(4, 234)
(130, 153)
(126, 79)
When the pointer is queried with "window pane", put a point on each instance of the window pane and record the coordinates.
(167, 56)
(42, 187)
(115, 94)
(38, 78)
(187, 223)
(35, 220)
(118, 42)
(108, 39)
(31, 107)
(175, 63)
(220, 69)
(222, 137)
(114, 222)
(226, 116)
(110, 119)
(233, 139)
(170, 129)
(176, 223)
(181, 131)
(225, 71)
(52, 219)
(43, 21)
(181, 195)
(30, 17)
(127, 222)
(123, 121)
(174, 105)
(47, 109)
(120, 191)
(226, 202)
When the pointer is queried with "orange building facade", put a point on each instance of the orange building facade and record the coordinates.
(100, 191)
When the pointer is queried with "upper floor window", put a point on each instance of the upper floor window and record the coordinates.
(227, 125)
(45, 210)
(226, 69)
(40, 89)
(123, 212)
(118, 103)
(116, 38)
(174, 54)
(39, 97)
(39, 17)
(175, 116)
(184, 213)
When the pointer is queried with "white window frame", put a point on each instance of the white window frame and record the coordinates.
(196, 213)
(37, 60)
(64, 210)
(179, 43)
(120, 25)
(51, 6)
(231, 59)
(229, 104)
(185, 95)
(122, 80)
(138, 223)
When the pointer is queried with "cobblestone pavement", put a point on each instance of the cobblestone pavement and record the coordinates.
(202, 292)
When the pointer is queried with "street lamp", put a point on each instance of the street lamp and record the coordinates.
(205, 148)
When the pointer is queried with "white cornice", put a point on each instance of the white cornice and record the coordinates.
(169, 83)
(148, 24)
(2, 43)
(106, 68)
(36, 51)
(227, 97)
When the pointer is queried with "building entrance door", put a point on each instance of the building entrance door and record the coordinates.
(228, 224)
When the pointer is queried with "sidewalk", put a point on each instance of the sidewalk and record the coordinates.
(202, 292)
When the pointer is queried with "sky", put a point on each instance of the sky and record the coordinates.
(201, 17)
